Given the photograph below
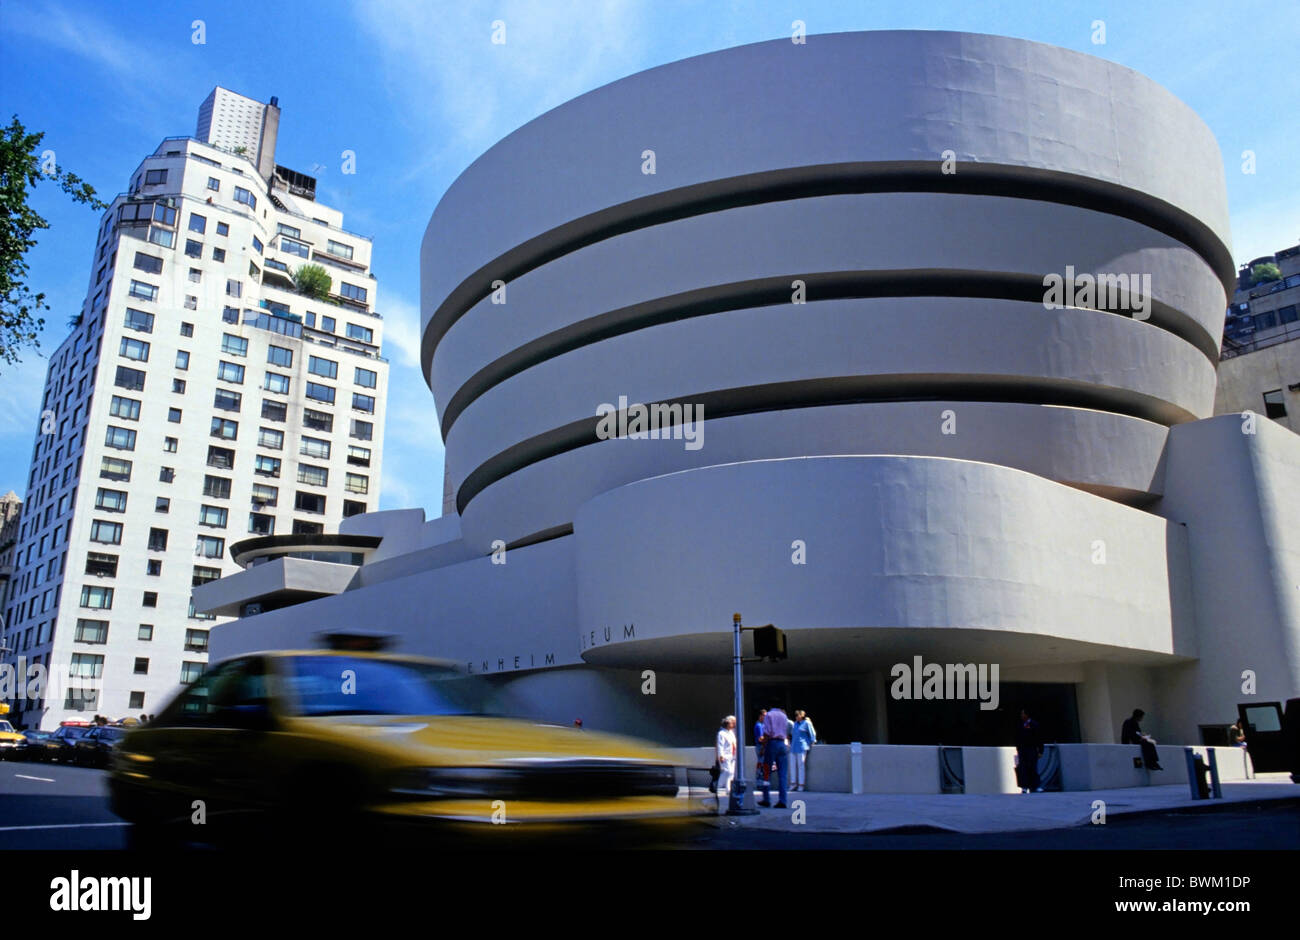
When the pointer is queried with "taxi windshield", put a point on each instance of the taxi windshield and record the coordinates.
(5, 727)
(346, 685)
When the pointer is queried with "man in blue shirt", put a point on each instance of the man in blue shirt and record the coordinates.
(776, 729)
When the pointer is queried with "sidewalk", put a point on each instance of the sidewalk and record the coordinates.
(1002, 812)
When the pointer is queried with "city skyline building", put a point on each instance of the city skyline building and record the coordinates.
(198, 398)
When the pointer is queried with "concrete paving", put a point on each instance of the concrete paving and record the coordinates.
(976, 813)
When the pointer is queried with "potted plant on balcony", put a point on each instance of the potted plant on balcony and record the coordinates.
(312, 281)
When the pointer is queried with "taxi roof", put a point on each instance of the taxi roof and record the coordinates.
(355, 654)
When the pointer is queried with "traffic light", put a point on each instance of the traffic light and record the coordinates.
(769, 643)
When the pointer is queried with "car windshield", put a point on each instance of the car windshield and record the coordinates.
(347, 685)
(71, 731)
(111, 734)
(5, 726)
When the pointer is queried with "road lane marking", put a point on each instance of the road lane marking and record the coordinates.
(42, 779)
(63, 826)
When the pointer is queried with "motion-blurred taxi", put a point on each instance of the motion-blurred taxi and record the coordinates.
(10, 740)
(331, 734)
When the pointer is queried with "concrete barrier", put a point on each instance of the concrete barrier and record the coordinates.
(990, 769)
(900, 768)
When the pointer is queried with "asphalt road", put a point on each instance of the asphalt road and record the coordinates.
(51, 806)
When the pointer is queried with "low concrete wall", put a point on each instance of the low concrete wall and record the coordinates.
(903, 768)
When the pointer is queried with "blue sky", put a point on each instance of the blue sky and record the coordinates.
(418, 91)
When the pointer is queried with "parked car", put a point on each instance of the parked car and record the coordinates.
(61, 745)
(95, 747)
(33, 746)
(10, 740)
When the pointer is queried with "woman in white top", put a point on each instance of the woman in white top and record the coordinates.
(726, 756)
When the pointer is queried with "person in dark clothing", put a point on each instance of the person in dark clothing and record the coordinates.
(1029, 747)
(1131, 733)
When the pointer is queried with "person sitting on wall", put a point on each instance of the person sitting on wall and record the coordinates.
(1236, 734)
(1131, 733)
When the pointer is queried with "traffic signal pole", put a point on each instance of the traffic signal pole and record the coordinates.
(741, 802)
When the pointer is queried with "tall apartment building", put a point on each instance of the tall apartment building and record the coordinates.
(199, 400)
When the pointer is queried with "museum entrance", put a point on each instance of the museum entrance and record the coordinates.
(833, 706)
(1051, 704)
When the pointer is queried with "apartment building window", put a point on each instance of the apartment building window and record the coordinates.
(310, 319)
(327, 324)
(128, 378)
(209, 546)
(219, 254)
(234, 288)
(96, 596)
(91, 631)
(274, 411)
(109, 533)
(316, 476)
(144, 633)
(143, 291)
(261, 524)
(198, 223)
(157, 540)
(153, 567)
(294, 247)
(270, 438)
(166, 474)
(100, 565)
(119, 438)
(190, 672)
(317, 420)
(134, 349)
(141, 666)
(267, 466)
(150, 264)
(279, 356)
(352, 507)
(364, 403)
(340, 250)
(230, 372)
(225, 428)
(230, 315)
(214, 184)
(361, 430)
(361, 333)
(170, 444)
(327, 368)
(162, 504)
(187, 329)
(314, 447)
(193, 249)
(357, 483)
(277, 383)
(257, 244)
(221, 457)
(150, 599)
(196, 641)
(213, 516)
(183, 359)
(217, 487)
(226, 400)
(352, 292)
(196, 277)
(359, 456)
(282, 229)
(366, 378)
(162, 237)
(307, 528)
(126, 408)
(264, 495)
(178, 386)
(203, 574)
(234, 345)
(155, 177)
(110, 500)
(138, 320)
(115, 468)
(244, 196)
(318, 392)
(135, 701)
(309, 502)
(1274, 404)
(223, 228)
(174, 415)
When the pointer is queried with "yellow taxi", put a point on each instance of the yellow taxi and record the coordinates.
(339, 734)
(10, 740)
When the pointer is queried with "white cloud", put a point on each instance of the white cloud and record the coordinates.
(401, 332)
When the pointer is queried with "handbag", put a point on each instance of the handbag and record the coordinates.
(714, 773)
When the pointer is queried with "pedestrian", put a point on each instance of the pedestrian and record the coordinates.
(1237, 734)
(725, 751)
(776, 731)
(1029, 747)
(143, 718)
(1131, 733)
(760, 772)
(802, 737)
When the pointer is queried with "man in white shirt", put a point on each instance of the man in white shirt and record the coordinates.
(726, 756)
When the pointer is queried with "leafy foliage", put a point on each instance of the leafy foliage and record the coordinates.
(21, 168)
(1263, 273)
(313, 281)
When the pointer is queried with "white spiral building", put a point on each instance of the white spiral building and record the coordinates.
(838, 251)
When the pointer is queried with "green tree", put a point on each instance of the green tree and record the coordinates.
(1263, 273)
(313, 281)
(21, 168)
